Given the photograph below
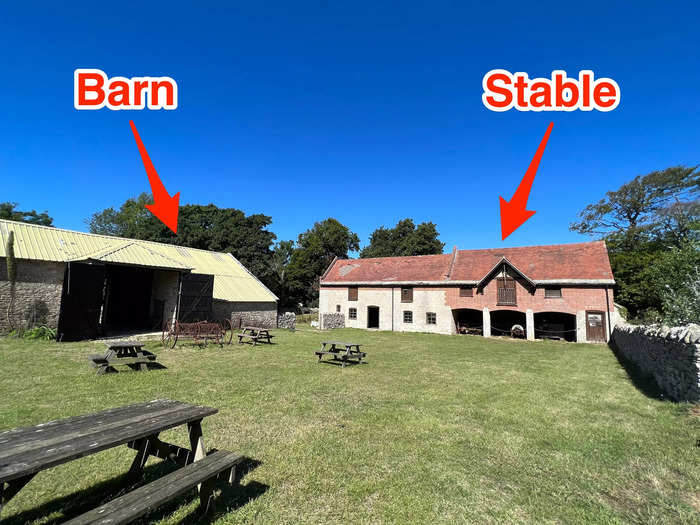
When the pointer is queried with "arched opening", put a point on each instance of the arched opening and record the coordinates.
(469, 321)
(555, 325)
(509, 323)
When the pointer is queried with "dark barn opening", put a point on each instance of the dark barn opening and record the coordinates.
(468, 321)
(372, 317)
(128, 298)
(110, 299)
(555, 325)
(508, 323)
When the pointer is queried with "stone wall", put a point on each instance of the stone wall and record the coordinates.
(670, 355)
(287, 320)
(38, 292)
(260, 314)
(333, 320)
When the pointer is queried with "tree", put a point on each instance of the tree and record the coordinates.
(404, 239)
(639, 208)
(316, 249)
(205, 227)
(281, 256)
(9, 211)
(641, 222)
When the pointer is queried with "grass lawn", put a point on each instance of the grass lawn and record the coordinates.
(434, 429)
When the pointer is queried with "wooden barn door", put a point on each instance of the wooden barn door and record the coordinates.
(196, 297)
(595, 326)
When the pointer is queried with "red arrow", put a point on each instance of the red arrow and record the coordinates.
(164, 206)
(513, 212)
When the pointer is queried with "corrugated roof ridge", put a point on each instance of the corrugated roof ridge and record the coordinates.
(112, 237)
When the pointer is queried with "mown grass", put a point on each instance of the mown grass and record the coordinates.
(434, 429)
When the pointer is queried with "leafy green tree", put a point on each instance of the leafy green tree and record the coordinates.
(641, 221)
(672, 277)
(205, 227)
(404, 239)
(639, 209)
(281, 256)
(316, 249)
(9, 211)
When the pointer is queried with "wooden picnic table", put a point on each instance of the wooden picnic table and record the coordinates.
(26, 451)
(254, 335)
(129, 353)
(341, 351)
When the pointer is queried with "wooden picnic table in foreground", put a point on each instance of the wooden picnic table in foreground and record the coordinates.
(341, 351)
(254, 335)
(24, 452)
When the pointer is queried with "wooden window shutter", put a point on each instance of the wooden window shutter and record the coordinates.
(352, 293)
(406, 295)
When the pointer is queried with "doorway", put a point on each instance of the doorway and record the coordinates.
(372, 317)
(595, 327)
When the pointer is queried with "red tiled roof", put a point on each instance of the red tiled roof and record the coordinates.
(388, 269)
(560, 262)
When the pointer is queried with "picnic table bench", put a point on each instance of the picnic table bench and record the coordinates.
(26, 451)
(128, 353)
(340, 351)
(254, 335)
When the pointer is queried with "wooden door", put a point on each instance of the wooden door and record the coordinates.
(595, 326)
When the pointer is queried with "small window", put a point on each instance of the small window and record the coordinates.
(352, 293)
(352, 313)
(431, 318)
(337, 308)
(466, 291)
(552, 293)
(406, 295)
(407, 316)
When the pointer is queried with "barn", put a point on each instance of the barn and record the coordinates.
(562, 291)
(87, 286)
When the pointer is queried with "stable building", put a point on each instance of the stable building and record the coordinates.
(86, 286)
(560, 291)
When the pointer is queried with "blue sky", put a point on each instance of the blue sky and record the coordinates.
(365, 111)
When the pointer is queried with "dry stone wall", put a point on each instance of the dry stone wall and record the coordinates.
(287, 320)
(329, 321)
(670, 355)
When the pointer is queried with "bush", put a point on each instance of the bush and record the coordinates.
(42, 332)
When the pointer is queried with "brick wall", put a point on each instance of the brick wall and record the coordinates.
(38, 291)
(573, 299)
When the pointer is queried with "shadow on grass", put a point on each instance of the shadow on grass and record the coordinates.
(643, 381)
(68, 507)
(339, 362)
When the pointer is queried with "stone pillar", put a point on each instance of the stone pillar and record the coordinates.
(487, 322)
(530, 325)
(581, 326)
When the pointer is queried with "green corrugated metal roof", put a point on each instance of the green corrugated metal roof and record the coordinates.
(232, 281)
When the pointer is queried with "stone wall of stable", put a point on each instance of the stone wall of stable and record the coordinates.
(260, 314)
(670, 355)
(38, 292)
